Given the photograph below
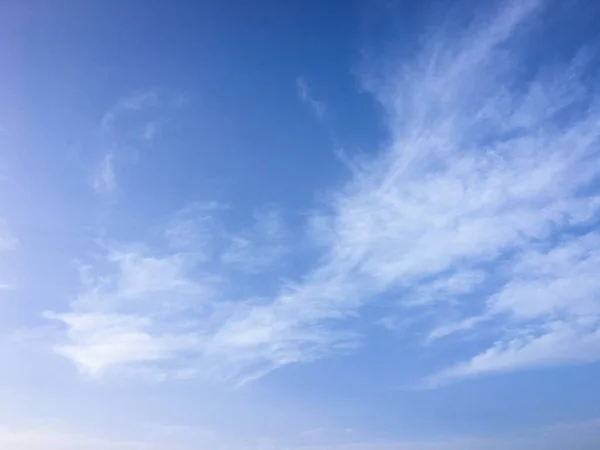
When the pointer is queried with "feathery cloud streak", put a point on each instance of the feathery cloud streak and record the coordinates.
(307, 97)
(128, 124)
(483, 205)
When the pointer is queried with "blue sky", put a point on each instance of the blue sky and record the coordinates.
(299, 225)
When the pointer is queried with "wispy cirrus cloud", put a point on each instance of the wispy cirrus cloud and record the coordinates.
(104, 180)
(551, 300)
(486, 172)
(193, 226)
(130, 314)
(259, 247)
(131, 122)
(475, 176)
(127, 105)
(155, 311)
(306, 96)
(481, 208)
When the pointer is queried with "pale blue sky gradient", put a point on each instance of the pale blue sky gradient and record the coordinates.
(303, 225)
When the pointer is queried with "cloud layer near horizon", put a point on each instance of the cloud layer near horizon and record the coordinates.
(158, 437)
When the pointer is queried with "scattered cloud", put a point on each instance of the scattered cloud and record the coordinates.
(104, 180)
(581, 435)
(307, 97)
(157, 311)
(554, 343)
(476, 175)
(106, 341)
(480, 209)
(453, 327)
(133, 121)
(257, 249)
(130, 317)
(476, 220)
(129, 104)
(193, 226)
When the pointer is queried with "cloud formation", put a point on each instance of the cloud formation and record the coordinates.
(306, 95)
(156, 311)
(478, 175)
(582, 435)
(123, 317)
(130, 123)
(104, 180)
(481, 208)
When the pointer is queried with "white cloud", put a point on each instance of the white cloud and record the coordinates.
(552, 299)
(104, 180)
(159, 312)
(581, 435)
(478, 207)
(131, 121)
(453, 327)
(475, 176)
(474, 173)
(104, 341)
(260, 247)
(132, 316)
(446, 288)
(132, 103)
(142, 275)
(307, 97)
(554, 343)
(257, 339)
(553, 282)
(193, 226)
